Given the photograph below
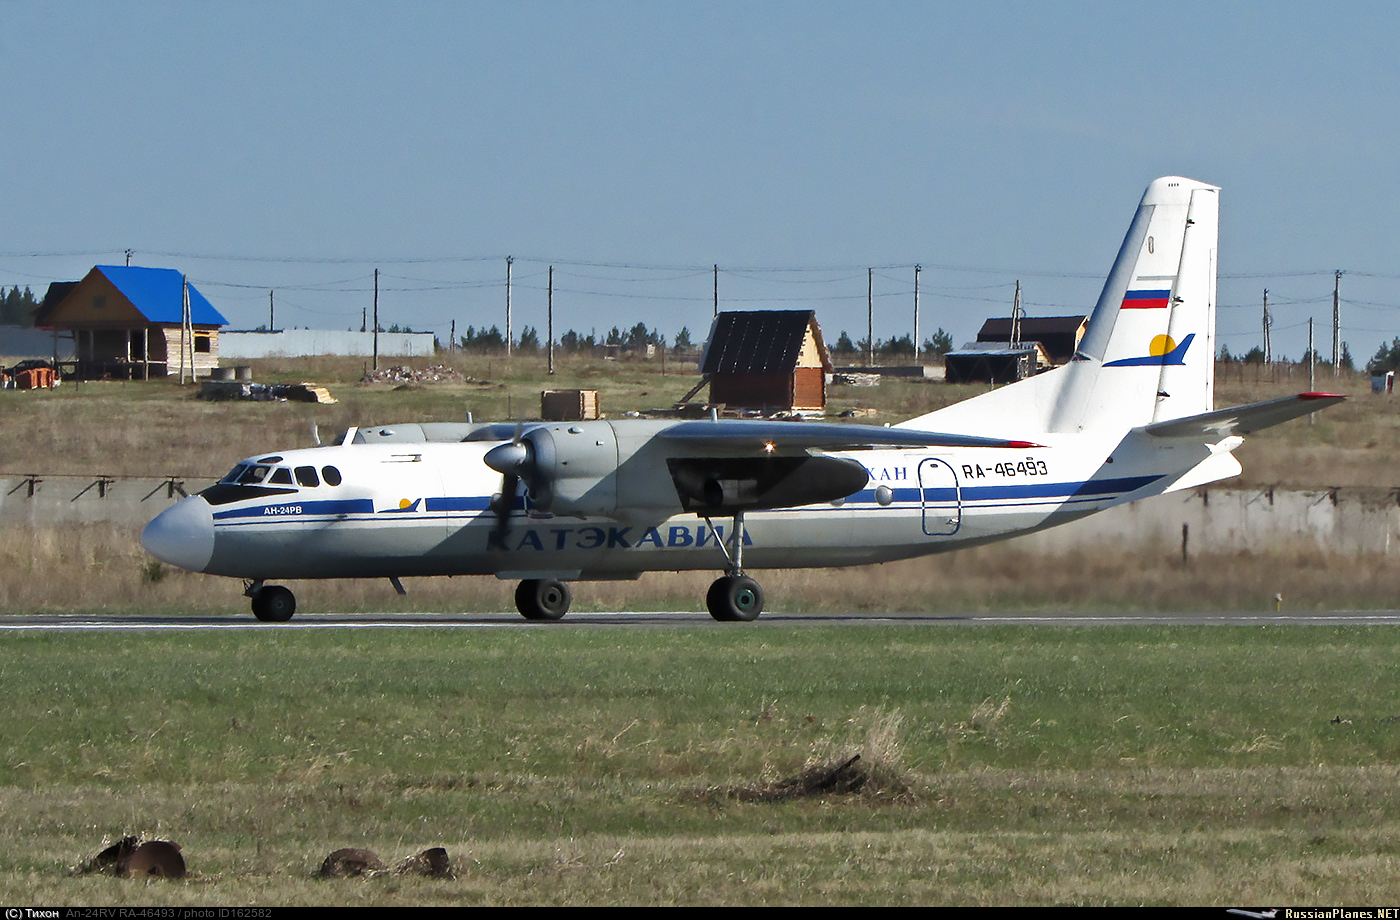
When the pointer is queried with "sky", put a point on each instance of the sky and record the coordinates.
(296, 147)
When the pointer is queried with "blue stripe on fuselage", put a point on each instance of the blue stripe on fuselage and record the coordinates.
(477, 503)
(307, 508)
(1004, 492)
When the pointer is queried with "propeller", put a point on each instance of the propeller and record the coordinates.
(510, 460)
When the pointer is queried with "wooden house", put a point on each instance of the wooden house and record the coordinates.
(128, 323)
(767, 359)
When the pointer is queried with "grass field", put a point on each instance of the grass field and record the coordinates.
(570, 766)
(620, 765)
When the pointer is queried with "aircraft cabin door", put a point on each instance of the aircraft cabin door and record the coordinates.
(941, 496)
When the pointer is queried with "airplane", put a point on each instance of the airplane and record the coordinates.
(548, 504)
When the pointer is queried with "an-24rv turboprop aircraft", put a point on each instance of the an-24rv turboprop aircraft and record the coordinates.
(1131, 416)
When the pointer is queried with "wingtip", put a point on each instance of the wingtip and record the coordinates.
(1310, 396)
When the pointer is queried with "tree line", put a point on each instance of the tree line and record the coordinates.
(937, 345)
(16, 308)
(1256, 356)
(491, 341)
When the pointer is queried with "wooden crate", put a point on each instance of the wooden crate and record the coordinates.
(569, 405)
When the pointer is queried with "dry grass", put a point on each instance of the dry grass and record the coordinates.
(155, 429)
(102, 567)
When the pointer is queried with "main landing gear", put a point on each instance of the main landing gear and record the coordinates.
(271, 603)
(542, 598)
(735, 597)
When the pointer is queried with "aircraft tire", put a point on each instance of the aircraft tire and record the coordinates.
(543, 598)
(734, 599)
(274, 604)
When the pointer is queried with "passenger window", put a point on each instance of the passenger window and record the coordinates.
(281, 476)
(253, 475)
(331, 475)
(306, 475)
(233, 473)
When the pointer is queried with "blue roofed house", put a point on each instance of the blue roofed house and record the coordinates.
(127, 322)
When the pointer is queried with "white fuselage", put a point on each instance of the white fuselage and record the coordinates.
(404, 508)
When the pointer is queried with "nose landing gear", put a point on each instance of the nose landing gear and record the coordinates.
(271, 603)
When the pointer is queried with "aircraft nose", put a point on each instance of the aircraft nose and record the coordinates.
(182, 534)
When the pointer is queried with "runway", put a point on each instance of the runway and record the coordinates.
(61, 622)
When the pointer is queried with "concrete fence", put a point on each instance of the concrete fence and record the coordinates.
(300, 343)
(44, 500)
(1349, 521)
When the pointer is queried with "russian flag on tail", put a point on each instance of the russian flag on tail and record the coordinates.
(1146, 300)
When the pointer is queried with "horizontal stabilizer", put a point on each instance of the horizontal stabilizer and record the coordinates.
(1241, 420)
(744, 435)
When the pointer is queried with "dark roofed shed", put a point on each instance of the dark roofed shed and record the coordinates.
(767, 359)
(1058, 335)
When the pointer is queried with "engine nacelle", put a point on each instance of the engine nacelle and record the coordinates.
(728, 484)
(584, 468)
(572, 468)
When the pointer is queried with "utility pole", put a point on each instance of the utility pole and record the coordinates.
(1336, 324)
(917, 269)
(870, 317)
(1016, 316)
(376, 319)
(184, 326)
(271, 313)
(1268, 348)
(452, 339)
(550, 302)
(509, 261)
(716, 289)
(1312, 367)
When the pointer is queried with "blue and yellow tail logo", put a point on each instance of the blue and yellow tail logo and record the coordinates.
(1162, 351)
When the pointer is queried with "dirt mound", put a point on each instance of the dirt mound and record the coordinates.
(128, 857)
(350, 861)
(851, 777)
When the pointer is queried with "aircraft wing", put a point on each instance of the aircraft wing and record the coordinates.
(742, 435)
(1243, 419)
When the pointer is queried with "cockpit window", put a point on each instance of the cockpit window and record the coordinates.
(281, 476)
(234, 473)
(253, 475)
(331, 475)
(306, 475)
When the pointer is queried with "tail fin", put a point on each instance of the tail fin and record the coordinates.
(1148, 354)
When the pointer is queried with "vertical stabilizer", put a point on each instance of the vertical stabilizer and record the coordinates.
(1149, 351)
(1148, 354)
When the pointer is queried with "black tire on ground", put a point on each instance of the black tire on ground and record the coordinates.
(274, 604)
(543, 598)
(734, 598)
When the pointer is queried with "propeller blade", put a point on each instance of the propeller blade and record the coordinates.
(512, 461)
(509, 483)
